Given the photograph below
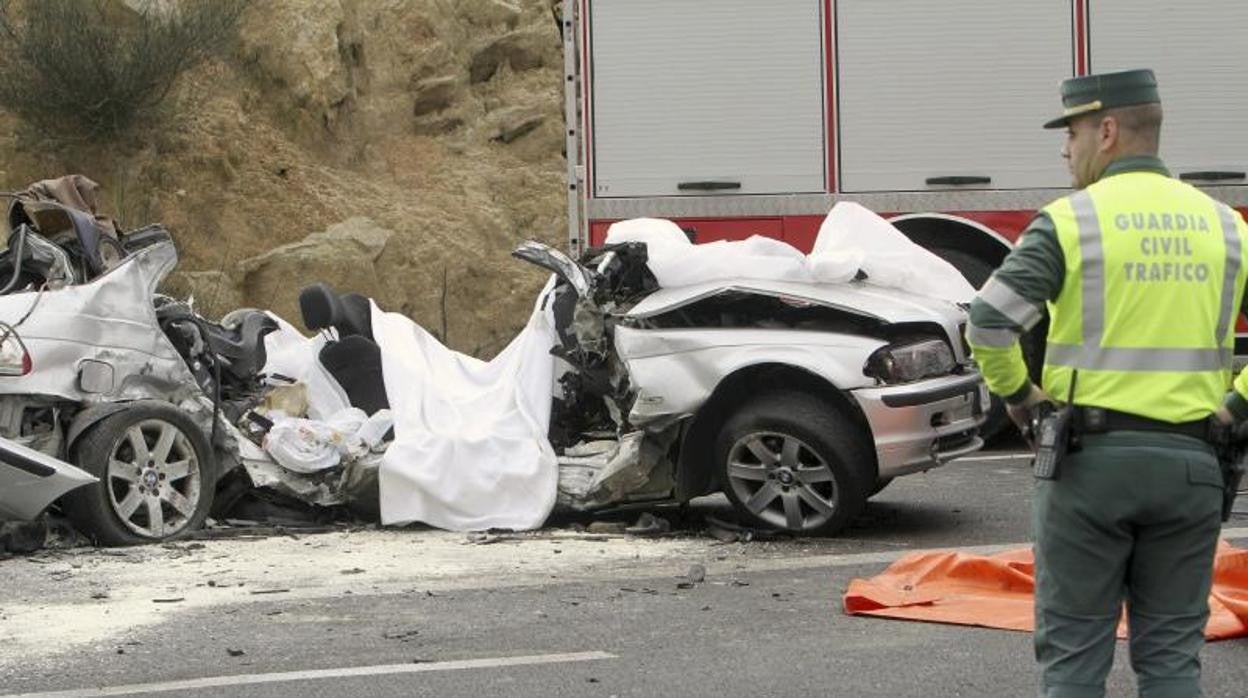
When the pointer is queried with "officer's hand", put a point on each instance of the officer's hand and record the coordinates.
(1224, 416)
(1020, 412)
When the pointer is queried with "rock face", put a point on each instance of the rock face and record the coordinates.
(345, 255)
(398, 148)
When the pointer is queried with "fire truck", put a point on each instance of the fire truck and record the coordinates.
(744, 117)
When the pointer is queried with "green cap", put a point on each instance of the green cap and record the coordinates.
(1088, 93)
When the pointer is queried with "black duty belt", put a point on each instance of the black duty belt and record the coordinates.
(1097, 420)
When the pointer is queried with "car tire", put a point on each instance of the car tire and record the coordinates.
(976, 271)
(790, 461)
(157, 477)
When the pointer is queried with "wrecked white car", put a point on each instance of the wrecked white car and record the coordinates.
(797, 400)
(31, 480)
(112, 395)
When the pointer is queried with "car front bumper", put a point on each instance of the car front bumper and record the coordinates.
(921, 425)
(30, 480)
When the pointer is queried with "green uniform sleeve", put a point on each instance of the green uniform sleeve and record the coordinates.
(1012, 302)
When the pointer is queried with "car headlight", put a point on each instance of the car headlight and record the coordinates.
(903, 363)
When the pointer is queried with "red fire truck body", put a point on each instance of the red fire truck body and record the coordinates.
(742, 117)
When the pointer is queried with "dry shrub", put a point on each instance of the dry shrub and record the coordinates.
(93, 68)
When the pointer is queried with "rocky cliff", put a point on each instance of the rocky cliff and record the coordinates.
(398, 148)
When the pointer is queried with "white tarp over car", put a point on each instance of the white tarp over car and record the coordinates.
(851, 238)
(470, 448)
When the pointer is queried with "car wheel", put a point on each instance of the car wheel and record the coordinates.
(791, 461)
(156, 477)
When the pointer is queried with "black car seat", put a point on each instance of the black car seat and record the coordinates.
(242, 347)
(238, 349)
(319, 306)
(357, 316)
(354, 359)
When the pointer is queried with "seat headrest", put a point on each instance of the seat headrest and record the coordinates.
(320, 306)
(356, 316)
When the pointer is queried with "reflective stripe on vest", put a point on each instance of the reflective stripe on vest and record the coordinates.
(1136, 359)
(1092, 355)
(1006, 301)
(1230, 234)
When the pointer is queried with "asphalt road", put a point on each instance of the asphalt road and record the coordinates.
(766, 621)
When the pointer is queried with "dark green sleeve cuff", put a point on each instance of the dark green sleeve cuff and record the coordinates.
(1237, 406)
(1018, 396)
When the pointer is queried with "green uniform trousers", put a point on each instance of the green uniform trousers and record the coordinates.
(1134, 517)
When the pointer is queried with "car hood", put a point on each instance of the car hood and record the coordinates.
(885, 304)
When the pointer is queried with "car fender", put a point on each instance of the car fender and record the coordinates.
(696, 473)
(90, 416)
(675, 371)
(94, 414)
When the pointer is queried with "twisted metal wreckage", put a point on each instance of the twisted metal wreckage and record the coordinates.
(797, 396)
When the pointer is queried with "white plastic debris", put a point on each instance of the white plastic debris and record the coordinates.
(347, 421)
(374, 429)
(302, 445)
(308, 446)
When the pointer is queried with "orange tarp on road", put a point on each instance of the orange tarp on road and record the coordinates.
(996, 591)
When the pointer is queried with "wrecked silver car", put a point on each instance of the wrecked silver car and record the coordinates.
(30, 481)
(116, 395)
(798, 401)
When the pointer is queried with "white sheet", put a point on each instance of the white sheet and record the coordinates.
(293, 355)
(470, 449)
(850, 238)
(888, 257)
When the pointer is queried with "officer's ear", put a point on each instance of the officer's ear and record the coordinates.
(1107, 133)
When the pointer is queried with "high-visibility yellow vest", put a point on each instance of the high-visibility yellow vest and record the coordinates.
(1147, 310)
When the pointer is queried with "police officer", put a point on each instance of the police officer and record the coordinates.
(1141, 274)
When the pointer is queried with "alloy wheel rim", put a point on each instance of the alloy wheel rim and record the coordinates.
(783, 481)
(153, 479)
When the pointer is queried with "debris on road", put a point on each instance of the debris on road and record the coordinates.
(401, 635)
(697, 573)
(695, 576)
(649, 525)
